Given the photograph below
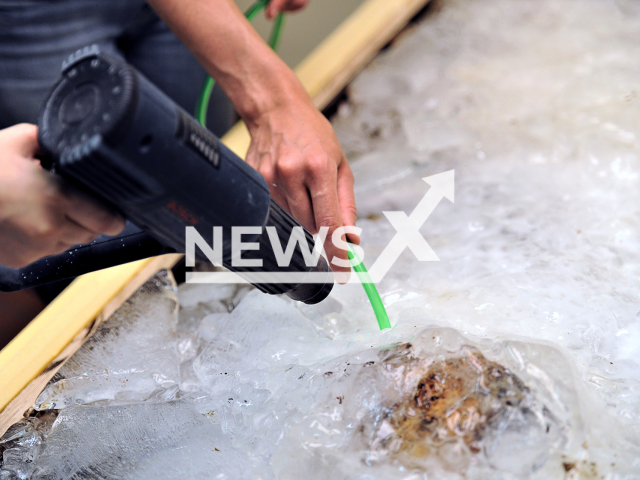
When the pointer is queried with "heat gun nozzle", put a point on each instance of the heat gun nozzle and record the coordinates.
(312, 293)
(304, 291)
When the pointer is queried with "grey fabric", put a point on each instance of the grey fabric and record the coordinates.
(36, 35)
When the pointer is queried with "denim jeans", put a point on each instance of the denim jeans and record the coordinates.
(36, 35)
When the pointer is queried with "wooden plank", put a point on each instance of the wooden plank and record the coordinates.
(36, 354)
(331, 66)
(31, 359)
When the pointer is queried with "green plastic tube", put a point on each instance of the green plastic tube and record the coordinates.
(370, 289)
(207, 87)
(203, 100)
(276, 32)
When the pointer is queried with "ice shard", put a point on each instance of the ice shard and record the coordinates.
(130, 358)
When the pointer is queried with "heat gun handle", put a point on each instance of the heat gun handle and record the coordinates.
(104, 252)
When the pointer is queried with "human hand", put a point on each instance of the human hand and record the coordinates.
(277, 6)
(40, 215)
(295, 148)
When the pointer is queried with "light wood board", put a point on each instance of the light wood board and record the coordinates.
(35, 355)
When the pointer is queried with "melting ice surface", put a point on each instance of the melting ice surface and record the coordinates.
(515, 356)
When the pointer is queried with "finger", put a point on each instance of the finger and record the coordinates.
(326, 210)
(295, 5)
(347, 198)
(288, 181)
(301, 208)
(62, 247)
(92, 215)
(277, 193)
(25, 137)
(274, 7)
(15, 253)
(75, 234)
(51, 249)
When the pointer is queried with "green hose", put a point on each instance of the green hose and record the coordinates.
(370, 289)
(254, 9)
(207, 87)
(276, 31)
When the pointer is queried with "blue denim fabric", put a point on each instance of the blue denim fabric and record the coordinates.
(36, 35)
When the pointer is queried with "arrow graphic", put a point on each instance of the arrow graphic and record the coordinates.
(407, 236)
(407, 227)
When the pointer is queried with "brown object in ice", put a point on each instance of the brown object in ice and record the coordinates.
(455, 399)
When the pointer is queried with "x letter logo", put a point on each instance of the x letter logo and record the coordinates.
(407, 227)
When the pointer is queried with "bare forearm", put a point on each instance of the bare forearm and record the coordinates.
(253, 76)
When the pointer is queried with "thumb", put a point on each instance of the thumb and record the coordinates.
(25, 137)
(273, 8)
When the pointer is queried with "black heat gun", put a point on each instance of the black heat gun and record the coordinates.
(109, 130)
